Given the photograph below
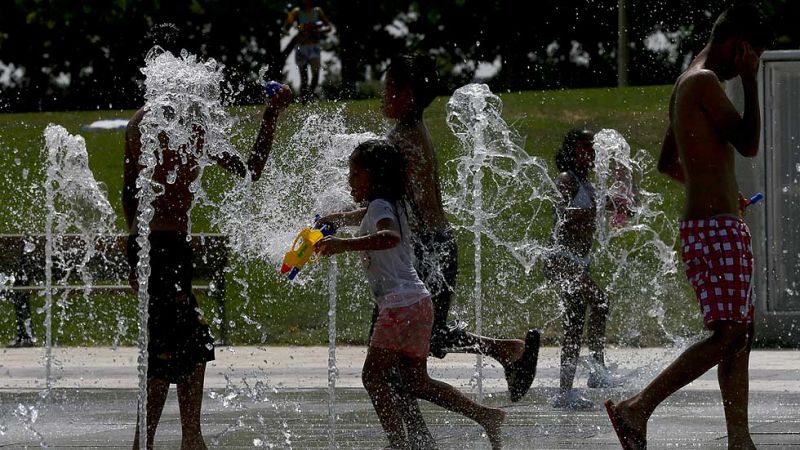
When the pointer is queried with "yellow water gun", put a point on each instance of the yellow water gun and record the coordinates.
(303, 250)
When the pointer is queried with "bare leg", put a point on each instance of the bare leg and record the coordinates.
(596, 321)
(505, 351)
(376, 377)
(726, 341)
(303, 68)
(732, 374)
(572, 320)
(414, 373)
(315, 68)
(417, 432)
(190, 400)
(157, 390)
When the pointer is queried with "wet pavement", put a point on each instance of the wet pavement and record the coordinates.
(277, 397)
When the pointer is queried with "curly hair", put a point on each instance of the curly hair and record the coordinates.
(386, 166)
(565, 156)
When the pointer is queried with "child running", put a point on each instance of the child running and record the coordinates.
(698, 152)
(411, 83)
(568, 267)
(400, 341)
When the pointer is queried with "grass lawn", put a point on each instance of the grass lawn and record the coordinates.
(264, 308)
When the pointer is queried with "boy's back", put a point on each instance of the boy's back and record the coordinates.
(427, 212)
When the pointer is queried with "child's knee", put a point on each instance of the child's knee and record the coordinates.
(370, 378)
(734, 338)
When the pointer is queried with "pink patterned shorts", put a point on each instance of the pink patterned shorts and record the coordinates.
(719, 266)
(406, 329)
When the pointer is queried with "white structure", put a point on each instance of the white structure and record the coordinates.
(775, 224)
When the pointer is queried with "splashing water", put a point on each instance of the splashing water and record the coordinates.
(305, 176)
(75, 201)
(507, 188)
(635, 238)
(506, 196)
(28, 415)
(183, 110)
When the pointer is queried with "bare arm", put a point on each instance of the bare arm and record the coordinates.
(291, 18)
(385, 238)
(668, 162)
(344, 218)
(743, 132)
(323, 17)
(259, 153)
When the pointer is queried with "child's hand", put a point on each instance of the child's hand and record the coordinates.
(279, 101)
(331, 220)
(747, 60)
(742, 204)
(331, 245)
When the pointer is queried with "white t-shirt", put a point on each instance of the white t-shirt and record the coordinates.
(390, 272)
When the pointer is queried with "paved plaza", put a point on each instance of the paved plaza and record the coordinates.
(277, 397)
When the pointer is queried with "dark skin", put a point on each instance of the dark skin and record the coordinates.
(171, 214)
(576, 231)
(380, 363)
(411, 135)
(698, 151)
(576, 234)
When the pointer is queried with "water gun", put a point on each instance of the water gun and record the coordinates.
(745, 202)
(302, 249)
(753, 200)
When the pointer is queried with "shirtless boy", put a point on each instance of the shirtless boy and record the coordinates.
(698, 151)
(180, 343)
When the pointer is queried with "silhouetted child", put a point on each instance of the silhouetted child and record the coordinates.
(400, 340)
(698, 152)
(567, 265)
(411, 83)
(180, 343)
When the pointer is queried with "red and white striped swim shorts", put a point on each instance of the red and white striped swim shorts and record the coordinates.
(719, 266)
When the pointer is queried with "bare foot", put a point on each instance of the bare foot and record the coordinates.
(633, 425)
(491, 423)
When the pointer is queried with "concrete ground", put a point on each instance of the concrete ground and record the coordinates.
(277, 397)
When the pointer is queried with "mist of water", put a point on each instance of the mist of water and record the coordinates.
(507, 187)
(75, 202)
(504, 198)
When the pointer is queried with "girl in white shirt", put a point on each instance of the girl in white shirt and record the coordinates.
(400, 340)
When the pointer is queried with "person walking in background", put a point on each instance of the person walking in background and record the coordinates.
(567, 265)
(312, 25)
(704, 134)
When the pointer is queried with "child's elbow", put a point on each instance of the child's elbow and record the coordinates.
(391, 238)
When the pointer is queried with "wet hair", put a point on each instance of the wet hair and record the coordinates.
(565, 156)
(417, 72)
(386, 166)
(746, 20)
